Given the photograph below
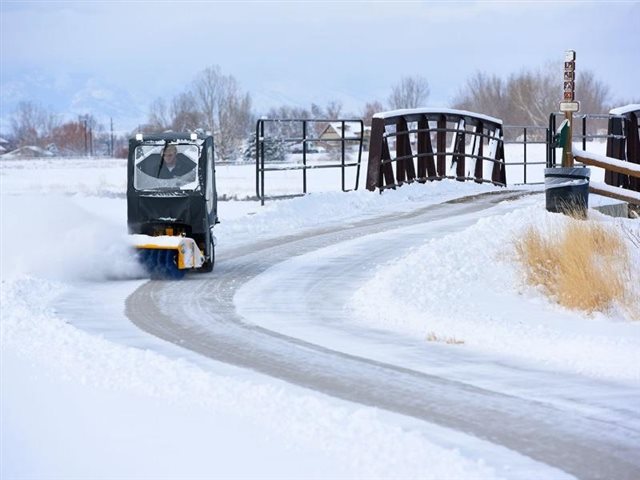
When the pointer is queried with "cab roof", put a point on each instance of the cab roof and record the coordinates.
(169, 137)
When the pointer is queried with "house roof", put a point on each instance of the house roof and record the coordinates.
(351, 129)
(28, 151)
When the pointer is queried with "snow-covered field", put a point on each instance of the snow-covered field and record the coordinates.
(98, 398)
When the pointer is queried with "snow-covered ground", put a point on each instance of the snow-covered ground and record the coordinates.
(98, 398)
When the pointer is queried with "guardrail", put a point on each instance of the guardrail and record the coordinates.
(465, 143)
(305, 136)
(588, 126)
(526, 135)
(626, 169)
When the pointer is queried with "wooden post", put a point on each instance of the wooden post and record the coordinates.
(567, 154)
(569, 105)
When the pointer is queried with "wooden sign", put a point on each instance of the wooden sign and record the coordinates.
(569, 85)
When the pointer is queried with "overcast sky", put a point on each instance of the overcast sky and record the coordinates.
(116, 57)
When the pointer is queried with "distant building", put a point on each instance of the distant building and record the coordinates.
(352, 130)
(29, 151)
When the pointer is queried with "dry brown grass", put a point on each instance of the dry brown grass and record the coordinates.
(432, 337)
(584, 266)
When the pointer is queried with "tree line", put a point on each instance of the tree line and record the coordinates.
(33, 125)
(215, 101)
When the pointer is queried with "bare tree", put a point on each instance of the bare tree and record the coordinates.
(286, 129)
(293, 130)
(333, 109)
(91, 131)
(411, 92)
(86, 136)
(185, 115)
(370, 109)
(225, 109)
(483, 94)
(159, 118)
(181, 115)
(210, 88)
(317, 111)
(530, 96)
(593, 94)
(289, 112)
(234, 120)
(70, 138)
(214, 102)
(32, 124)
(244, 117)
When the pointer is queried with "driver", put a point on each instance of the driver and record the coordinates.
(174, 165)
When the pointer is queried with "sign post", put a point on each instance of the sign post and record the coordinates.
(569, 104)
(567, 187)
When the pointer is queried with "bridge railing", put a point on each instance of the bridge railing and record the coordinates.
(419, 145)
(623, 143)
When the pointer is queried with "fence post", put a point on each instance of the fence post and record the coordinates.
(304, 156)
(262, 162)
(258, 158)
(342, 158)
(525, 155)
(374, 165)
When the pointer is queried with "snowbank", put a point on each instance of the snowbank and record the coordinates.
(467, 288)
(178, 420)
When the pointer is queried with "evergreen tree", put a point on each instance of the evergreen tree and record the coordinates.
(274, 150)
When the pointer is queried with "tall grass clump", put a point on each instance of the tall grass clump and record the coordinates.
(582, 265)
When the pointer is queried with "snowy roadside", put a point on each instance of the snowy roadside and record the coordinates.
(136, 413)
(467, 290)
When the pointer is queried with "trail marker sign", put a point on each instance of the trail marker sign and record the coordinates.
(569, 106)
(569, 75)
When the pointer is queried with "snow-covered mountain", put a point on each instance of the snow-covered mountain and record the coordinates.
(71, 95)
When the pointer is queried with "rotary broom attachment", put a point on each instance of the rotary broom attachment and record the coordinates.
(167, 257)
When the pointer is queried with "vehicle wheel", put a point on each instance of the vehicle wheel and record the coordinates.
(207, 266)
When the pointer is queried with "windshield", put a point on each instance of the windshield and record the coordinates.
(170, 167)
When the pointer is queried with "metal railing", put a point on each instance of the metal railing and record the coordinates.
(425, 144)
(588, 126)
(304, 136)
(617, 130)
(622, 138)
(530, 135)
(460, 139)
